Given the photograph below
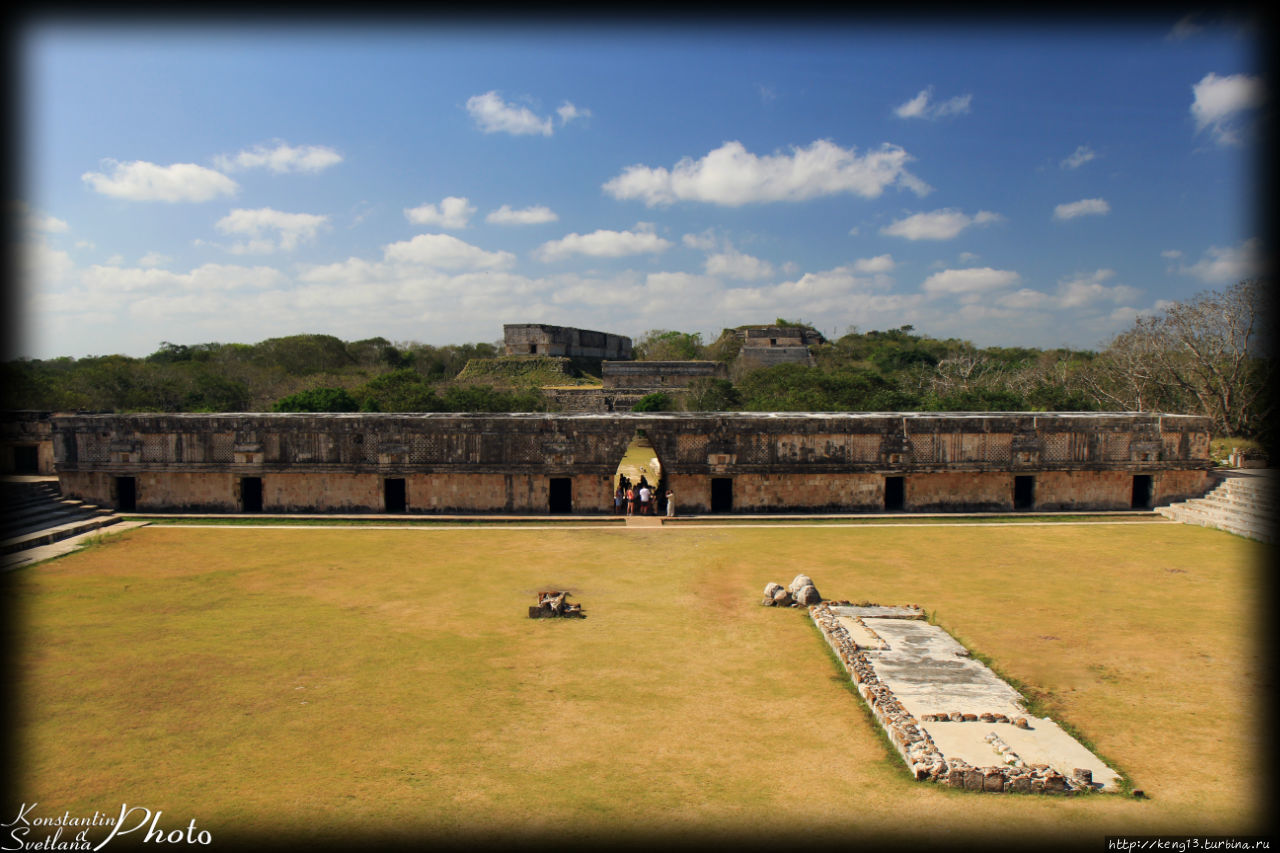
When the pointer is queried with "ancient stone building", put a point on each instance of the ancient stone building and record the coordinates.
(765, 346)
(26, 443)
(715, 462)
(539, 339)
(659, 375)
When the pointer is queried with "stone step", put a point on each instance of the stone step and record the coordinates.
(56, 533)
(51, 518)
(46, 507)
(1256, 528)
(1241, 505)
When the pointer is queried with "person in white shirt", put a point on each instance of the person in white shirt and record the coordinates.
(645, 495)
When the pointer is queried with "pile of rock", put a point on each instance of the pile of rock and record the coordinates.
(555, 603)
(801, 593)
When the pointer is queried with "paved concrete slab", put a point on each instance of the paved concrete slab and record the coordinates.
(1044, 743)
(930, 673)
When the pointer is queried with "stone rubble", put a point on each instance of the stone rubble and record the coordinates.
(555, 603)
(916, 746)
(801, 593)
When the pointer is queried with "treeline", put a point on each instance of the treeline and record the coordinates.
(1207, 356)
(1200, 357)
(217, 377)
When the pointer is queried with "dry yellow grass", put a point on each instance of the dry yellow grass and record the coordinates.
(313, 682)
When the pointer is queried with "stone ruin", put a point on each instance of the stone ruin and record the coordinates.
(1008, 772)
(801, 593)
(555, 603)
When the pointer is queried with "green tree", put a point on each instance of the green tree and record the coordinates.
(403, 390)
(659, 401)
(664, 345)
(318, 400)
(713, 395)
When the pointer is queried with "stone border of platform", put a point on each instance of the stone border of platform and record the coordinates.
(914, 744)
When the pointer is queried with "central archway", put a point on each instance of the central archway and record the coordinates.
(640, 464)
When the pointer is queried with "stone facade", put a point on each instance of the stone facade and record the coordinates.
(540, 339)
(765, 346)
(721, 462)
(26, 443)
(659, 375)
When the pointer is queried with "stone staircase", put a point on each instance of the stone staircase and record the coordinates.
(1241, 503)
(35, 514)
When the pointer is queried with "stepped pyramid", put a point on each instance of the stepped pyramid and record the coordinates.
(36, 514)
(1243, 504)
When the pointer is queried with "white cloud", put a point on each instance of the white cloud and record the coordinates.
(1185, 27)
(442, 251)
(732, 176)
(1171, 254)
(938, 224)
(568, 112)
(1086, 288)
(154, 259)
(453, 212)
(923, 106)
(880, 263)
(43, 266)
(536, 215)
(602, 244)
(735, 265)
(971, 281)
(110, 283)
(1218, 102)
(280, 157)
(270, 230)
(142, 181)
(1227, 264)
(1084, 207)
(493, 115)
(33, 220)
(1083, 154)
(705, 241)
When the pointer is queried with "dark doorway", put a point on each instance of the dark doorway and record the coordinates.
(561, 495)
(1141, 492)
(393, 494)
(722, 494)
(26, 460)
(895, 494)
(126, 494)
(251, 494)
(1024, 492)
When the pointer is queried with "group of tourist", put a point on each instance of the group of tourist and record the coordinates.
(640, 499)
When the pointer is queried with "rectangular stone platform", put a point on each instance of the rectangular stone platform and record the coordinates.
(950, 717)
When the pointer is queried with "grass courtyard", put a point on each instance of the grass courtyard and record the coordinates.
(313, 682)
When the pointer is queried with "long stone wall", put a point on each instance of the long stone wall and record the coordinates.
(739, 462)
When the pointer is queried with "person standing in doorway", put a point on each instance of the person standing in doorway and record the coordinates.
(618, 497)
(671, 504)
(645, 496)
(631, 501)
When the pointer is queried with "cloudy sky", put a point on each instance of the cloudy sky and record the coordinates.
(1035, 185)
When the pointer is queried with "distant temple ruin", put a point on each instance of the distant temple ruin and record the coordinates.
(540, 339)
(765, 346)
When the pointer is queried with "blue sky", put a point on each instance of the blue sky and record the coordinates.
(1035, 184)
